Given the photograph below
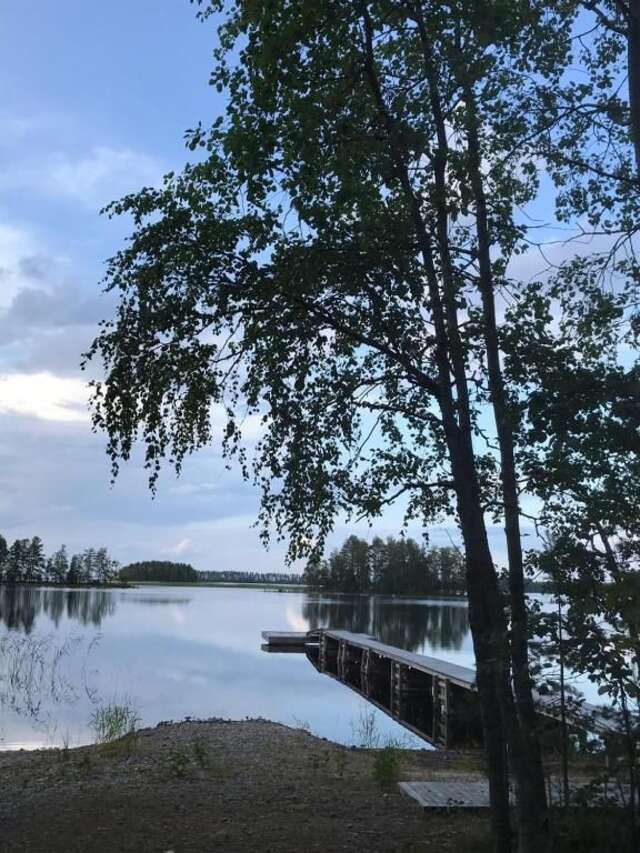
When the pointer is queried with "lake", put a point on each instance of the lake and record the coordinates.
(177, 651)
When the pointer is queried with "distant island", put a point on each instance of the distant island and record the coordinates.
(166, 571)
(159, 570)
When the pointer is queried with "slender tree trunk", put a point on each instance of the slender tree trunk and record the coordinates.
(485, 608)
(633, 53)
(486, 613)
(563, 714)
(488, 630)
(533, 822)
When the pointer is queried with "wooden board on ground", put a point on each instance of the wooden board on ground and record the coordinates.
(471, 794)
(448, 795)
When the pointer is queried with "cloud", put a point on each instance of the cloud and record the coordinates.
(181, 547)
(47, 320)
(45, 396)
(93, 178)
(19, 264)
(56, 306)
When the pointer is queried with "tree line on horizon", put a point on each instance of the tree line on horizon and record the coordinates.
(25, 561)
(170, 572)
(392, 566)
(234, 576)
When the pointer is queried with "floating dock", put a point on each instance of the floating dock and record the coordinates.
(435, 699)
(285, 638)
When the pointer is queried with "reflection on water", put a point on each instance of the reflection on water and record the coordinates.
(20, 606)
(408, 624)
(192, 651)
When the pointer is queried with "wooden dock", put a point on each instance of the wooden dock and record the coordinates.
(435, 699)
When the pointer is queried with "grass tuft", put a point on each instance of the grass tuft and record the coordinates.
(386, 764)
(114, 721)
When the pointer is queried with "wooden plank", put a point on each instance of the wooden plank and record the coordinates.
(471, 794)
(281, 650)
(592, 718)
(285, 638)
(448, 795)
(464, 676)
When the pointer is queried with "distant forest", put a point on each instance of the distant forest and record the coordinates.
(252, 577)
(25, 561)
(167, 571)
(391, 566)
(159, 570)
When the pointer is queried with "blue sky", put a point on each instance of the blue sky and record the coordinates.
(96, 98)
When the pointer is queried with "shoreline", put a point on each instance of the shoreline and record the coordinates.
(63, 586)
(270, 587)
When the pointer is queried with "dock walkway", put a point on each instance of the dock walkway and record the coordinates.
(435, 699)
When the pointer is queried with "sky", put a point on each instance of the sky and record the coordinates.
(96, 99)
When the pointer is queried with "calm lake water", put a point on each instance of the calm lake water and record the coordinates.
(177, 651)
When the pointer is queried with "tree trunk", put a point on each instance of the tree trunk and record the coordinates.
(488, 630)
(486, 613)
(633, 49)
(533, 821)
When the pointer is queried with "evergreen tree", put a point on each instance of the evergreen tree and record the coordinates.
(354, 565)
(377, 563)
(16, 561)
(76, 570)
(105, 568)
(397, 566)
(316, 574)
(34, 560)
(450, 570)
(60, 565)
(4, 555)
(88, 571)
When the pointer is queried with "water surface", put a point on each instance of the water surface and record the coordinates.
(177, 651)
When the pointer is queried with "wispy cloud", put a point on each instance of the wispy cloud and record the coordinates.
(182, 547)
(91, 178)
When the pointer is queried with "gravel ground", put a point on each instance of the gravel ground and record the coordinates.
(224, 786)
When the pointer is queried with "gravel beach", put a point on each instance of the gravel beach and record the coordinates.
(240, 787)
